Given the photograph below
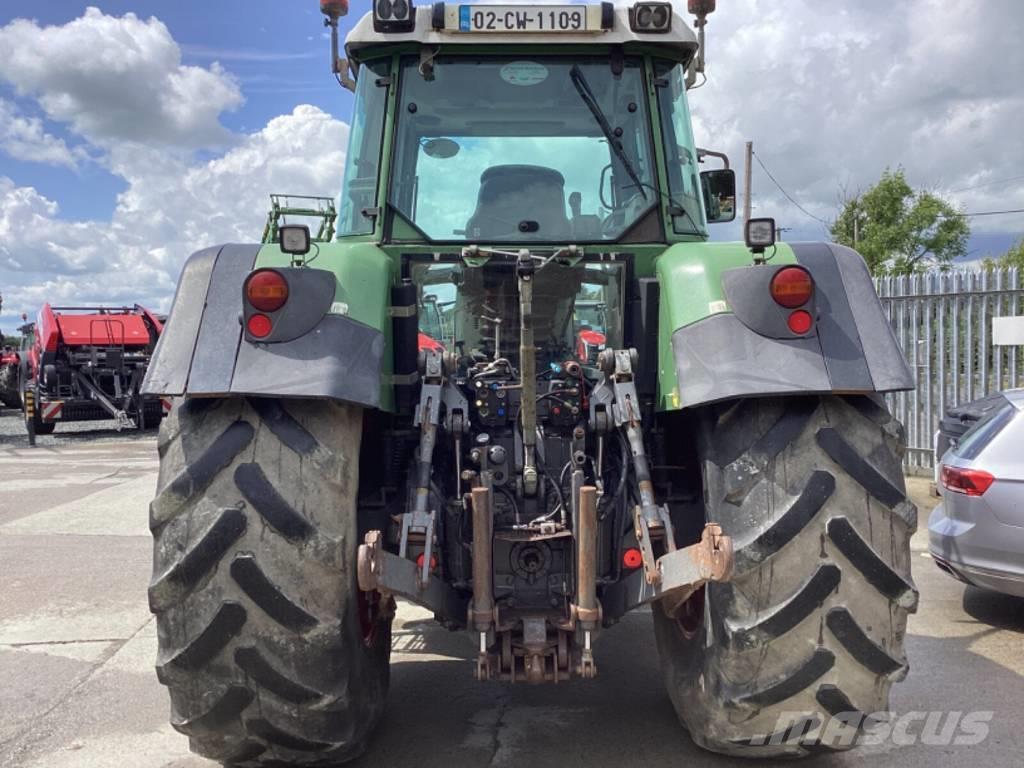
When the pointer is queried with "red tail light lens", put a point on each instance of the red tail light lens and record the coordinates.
(970, 482)
(259, 326)
(792, 287)
(266, 290)
(800, 321)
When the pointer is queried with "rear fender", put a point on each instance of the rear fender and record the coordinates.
(742, 347)
(203, 350)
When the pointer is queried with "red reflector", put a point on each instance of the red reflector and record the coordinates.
(259, 326)
(266, 290)
(791, 287)
(970, 482)
(419, 561)
(800, 321)
(632, 558)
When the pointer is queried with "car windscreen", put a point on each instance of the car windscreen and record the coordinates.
(984, 432)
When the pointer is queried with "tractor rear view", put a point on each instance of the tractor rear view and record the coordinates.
(87, 364)
(521, 388)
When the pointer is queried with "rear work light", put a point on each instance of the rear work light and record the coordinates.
(393, 16)
(792, 287)
(266, 290)
(970, 482)
(651, 17)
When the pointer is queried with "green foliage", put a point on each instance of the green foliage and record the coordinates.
(900, 231)
(1012, 258)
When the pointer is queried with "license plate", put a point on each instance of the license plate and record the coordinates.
(529, 18)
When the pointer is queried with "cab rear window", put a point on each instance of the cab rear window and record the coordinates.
(984, 432)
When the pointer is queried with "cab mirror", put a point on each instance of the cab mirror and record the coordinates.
(719, 188)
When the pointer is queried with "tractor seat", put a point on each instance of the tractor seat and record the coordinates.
(520, 201)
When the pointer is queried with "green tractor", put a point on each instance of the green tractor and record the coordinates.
(400, 412)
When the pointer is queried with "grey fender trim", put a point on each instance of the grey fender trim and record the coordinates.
(167, 373)
(201, 351)
(718, 358)
(853, 350)
(889, 369)
(339, 359)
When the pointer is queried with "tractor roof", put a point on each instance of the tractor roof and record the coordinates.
(679, 43)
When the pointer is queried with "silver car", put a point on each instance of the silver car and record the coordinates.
(976, 533)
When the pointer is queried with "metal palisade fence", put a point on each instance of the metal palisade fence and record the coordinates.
(943, 323)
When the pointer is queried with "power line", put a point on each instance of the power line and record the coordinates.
(987, 184)
(1006, 212)
(787, 195)
(982, 213)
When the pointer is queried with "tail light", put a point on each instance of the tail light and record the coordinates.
(632, 559)
(800, 321)
(792, 287)
(970, 482)
(266, 290)
(259, 326)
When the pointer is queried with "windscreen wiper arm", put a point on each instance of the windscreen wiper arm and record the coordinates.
(587, 95)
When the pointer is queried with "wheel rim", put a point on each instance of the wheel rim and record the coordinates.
(690, 617)
(369, 616)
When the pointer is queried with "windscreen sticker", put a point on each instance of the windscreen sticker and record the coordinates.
(524, 73)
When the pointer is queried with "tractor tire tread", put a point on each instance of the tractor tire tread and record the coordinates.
(812, 624)
(260, 643)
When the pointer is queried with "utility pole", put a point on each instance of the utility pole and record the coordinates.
(746, 183)
(856, 227)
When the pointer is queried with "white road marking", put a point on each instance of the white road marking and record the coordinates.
(115, 511)
(56, 481)
(76, 622)
(90, 651)
(154, 749)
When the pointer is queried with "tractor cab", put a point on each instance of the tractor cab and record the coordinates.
(525, 125)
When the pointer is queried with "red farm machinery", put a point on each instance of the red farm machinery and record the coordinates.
(9, 361)
(87, 364)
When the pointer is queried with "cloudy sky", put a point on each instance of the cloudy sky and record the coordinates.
(133, 133)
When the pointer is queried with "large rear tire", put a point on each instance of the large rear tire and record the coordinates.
(794, 654)
(270, 652)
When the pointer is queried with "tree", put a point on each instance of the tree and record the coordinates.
(1014, 257)
(900, 231)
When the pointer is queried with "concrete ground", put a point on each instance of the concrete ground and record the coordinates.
(77, 648)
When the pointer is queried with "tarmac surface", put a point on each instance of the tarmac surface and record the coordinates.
(78, 645)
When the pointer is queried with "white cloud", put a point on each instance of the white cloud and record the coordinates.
(172, 207)
(115, 79)
(118, 83)
(831, 96)
(24, 138)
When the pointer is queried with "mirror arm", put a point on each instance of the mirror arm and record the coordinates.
(702, 153)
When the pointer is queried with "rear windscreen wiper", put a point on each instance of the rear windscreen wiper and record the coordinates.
(587, 95)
